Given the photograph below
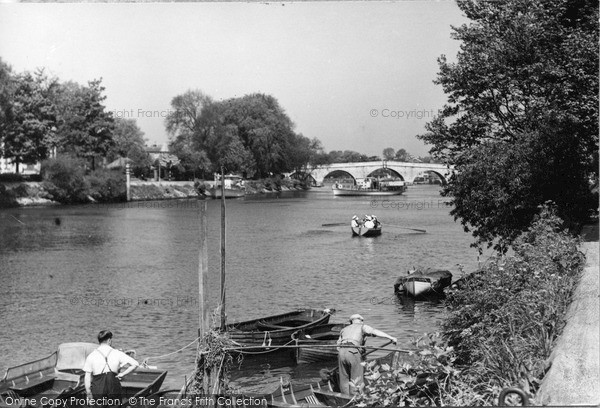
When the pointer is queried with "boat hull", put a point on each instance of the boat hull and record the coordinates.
(350, 192)
(416, 288)
(414, 285)
(363, 231)
(229, 193)
(327, 334)
(278, 329)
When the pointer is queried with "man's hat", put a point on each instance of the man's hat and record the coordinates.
(356, 316)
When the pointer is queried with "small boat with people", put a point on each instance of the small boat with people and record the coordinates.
(277, 329)
(59, 378)
(234, 186)
(371, 186)
(368, 226)
(419, 283)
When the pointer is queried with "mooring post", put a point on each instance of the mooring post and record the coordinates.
(223, 316)
(128, 180)
(203, 324)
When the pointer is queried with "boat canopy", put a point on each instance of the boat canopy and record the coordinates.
(71, 356)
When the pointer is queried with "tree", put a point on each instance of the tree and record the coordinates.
(521, 122)
(28, 128)
(85, 127)
(389, 153)
(402, 155)
(6, 91)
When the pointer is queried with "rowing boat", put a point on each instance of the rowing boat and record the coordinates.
(369, 226)
(424, 282)
(277, 329)
(327, 334)
(59, 378)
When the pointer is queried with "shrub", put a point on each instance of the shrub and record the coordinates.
(107, 185)
(64, 179)
(7, 197)
(11, 178)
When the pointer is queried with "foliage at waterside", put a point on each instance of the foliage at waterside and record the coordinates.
(521, 122)
(66, 181)
(212, 365)
(502, 324)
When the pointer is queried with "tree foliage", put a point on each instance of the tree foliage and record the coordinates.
(40, 115)
(28, 128)
(521, 122)
(85, 128)
(251, 134)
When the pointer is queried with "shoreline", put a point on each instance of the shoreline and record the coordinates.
(33, 194)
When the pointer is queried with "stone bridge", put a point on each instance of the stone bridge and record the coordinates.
(360, 170)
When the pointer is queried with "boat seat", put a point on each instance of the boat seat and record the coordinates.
(31, 383)
(138, 385)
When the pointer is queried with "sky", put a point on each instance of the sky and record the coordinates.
(356, 75)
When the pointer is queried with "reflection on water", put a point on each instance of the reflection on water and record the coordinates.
(135, 270)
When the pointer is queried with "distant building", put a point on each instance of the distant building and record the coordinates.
(8, 166)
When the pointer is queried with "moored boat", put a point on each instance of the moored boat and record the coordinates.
(277, 329)
(370, 187)
(424, 282)
(59, 378)
(327, 334)
(234, 187)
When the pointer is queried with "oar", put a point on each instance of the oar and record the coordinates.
(337, 224)
(398, 226)
(375, 349)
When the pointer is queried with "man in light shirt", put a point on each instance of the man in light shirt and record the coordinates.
(350, 358)
(102, 377)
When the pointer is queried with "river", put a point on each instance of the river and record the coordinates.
(67, 272)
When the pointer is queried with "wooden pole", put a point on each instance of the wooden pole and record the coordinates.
(128, 180)
(203, 324)
(223, 317)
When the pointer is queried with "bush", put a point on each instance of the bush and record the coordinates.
(7, 197)
(64, 179)
(11, 178)
(107, 185)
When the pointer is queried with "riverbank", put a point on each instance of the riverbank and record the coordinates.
(33, 193)
(574, 374)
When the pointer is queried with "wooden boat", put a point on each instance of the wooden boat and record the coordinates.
(325, 393)
(365, 227)
(370, 187)
(59, 378)
(424, 282)
(327, 334)
(277, 329)
(234, 187)
(320, 395)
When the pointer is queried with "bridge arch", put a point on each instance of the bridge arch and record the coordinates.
(385, 171)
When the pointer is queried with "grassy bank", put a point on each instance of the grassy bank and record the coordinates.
(502, 325)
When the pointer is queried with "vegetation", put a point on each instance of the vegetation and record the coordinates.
(521, 122)
(502, 324)
(66, 182)
(252, 135)
(41, 117)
